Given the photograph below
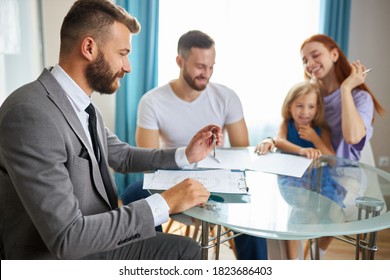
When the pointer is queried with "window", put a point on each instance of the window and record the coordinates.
(257, 45)
(20, 44)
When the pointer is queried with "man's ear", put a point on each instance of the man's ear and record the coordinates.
(179, 61)
(89, 48)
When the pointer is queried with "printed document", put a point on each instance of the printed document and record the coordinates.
(246, 159)
(221, 181)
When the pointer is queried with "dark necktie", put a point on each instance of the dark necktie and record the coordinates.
(95, 143)
(92, 130)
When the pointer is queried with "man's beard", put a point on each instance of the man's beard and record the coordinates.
(192, 81)
(100, 77)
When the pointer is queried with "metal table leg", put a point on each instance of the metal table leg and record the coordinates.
(366, 243)
(205, 240)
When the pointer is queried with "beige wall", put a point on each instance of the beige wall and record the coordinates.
(370, 42)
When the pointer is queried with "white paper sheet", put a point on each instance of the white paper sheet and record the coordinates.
(221, 181)
(246, 159)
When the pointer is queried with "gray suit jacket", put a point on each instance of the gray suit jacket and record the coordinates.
(53, 203)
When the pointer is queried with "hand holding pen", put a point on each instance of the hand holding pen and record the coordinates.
(204, 143)
(357, 76)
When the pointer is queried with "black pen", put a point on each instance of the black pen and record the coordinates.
(216, 159)
(214, 146)
(214, 143)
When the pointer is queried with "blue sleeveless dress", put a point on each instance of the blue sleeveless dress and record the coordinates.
(293, 136)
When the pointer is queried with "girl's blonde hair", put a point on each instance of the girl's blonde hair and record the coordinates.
(299, 90)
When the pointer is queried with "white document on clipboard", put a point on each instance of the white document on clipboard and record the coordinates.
(246, 159)
(221, 181)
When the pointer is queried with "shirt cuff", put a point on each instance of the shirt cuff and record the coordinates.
(159, 207)
(181, 158)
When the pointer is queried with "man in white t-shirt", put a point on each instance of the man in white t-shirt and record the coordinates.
(169, 115)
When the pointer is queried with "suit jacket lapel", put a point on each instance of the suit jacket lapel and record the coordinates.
(59, 98)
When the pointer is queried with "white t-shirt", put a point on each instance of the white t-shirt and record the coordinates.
(178, 120)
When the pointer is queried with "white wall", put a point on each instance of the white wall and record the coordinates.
(370, 42)
(53, 14)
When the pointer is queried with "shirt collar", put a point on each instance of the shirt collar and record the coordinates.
(75, 94)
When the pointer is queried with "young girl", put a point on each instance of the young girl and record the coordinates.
(304, 130)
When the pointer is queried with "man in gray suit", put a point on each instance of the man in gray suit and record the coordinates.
(58, 198)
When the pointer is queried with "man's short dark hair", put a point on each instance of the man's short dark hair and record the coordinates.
(93, 18)
(194, 39)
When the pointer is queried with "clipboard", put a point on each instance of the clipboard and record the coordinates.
(215, 180)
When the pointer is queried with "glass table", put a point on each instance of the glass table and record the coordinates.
(334, 197)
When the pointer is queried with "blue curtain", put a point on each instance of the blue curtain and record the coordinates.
(334, 21)
(143, 77)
